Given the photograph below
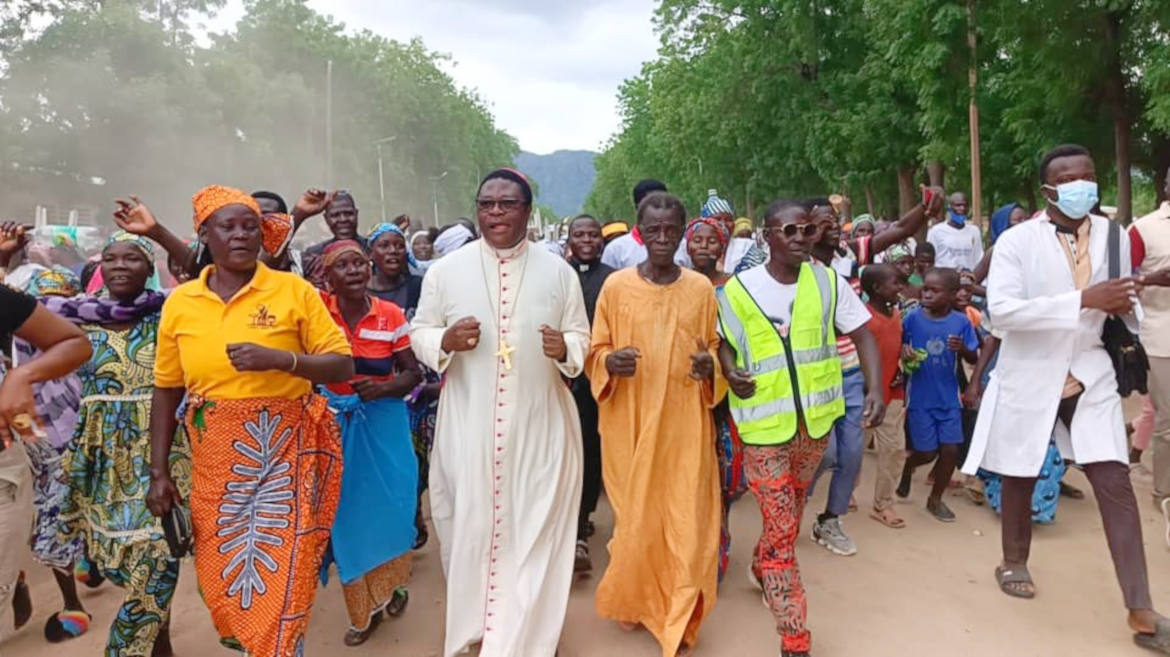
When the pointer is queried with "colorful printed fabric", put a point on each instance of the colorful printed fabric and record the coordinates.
(275, 229)
(103, 310)
(267, 479)
(106, 470)
(729, 451)
(720, 231)
(1046, 494)
(369, 595)
(141, 243)
(423, 412)
(779, 476)
(49, 492)
(58, 281)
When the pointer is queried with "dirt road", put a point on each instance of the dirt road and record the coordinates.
(924, 589)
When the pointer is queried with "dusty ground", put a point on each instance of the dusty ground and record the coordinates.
(919, 590)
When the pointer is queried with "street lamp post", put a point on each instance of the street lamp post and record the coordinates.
(381, 181)
(435, 193)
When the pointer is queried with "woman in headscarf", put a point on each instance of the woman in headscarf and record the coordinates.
(422, 245)
(105, 468)
(863, 226)
(392, 281)
(57, 401)
(245, 344)
(372, 548)
(706, 240)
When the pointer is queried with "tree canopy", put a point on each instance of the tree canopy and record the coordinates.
(124, 92)
(768, 98)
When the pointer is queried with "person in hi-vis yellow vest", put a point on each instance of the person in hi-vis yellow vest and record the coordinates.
(778, 325)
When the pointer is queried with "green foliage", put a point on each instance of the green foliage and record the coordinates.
(120, 90)
(802, 97)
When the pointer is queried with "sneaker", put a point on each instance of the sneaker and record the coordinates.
(832, 536)
(940, 510)
(582, 563)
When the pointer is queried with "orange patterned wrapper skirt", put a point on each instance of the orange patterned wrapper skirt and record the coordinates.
(266, 482)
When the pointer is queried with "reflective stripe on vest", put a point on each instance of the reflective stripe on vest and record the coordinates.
(770, 416)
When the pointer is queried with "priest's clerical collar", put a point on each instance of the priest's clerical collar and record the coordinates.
(585, 266)
(508, 253)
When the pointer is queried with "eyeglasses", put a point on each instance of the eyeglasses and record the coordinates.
(505, 204)
(790, 230)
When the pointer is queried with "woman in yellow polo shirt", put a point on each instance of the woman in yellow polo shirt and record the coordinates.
(245, 344)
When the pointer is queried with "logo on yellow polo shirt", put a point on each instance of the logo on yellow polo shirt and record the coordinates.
(262, 319)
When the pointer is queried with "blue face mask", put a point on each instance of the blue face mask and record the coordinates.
(1076, 198)
(959, 219)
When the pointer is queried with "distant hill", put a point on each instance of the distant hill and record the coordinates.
(563, 178)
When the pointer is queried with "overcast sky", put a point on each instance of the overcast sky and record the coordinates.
(548, 69)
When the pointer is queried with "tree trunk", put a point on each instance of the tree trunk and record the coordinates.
(869, 201)
(907, 194)
(934, 171)
(1115, 97)
(1161, 164)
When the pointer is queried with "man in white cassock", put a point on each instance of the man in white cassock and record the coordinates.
(1049, 291)
(505, 322)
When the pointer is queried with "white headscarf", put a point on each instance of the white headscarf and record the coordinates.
(451, 239)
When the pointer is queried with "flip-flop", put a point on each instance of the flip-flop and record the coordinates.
(1015, 575)
(1159, 641)
(896, 523)
(65, 625)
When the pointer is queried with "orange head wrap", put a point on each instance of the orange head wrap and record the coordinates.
(275, 229)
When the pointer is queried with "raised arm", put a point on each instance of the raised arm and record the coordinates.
(909, 224)
(134, 217)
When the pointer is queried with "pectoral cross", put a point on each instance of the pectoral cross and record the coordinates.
(505, 353)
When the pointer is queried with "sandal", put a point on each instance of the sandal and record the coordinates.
(65, 625)
(888, 518)
(1015, 575)
(398, 602)
(1159, 641)
(354, 637)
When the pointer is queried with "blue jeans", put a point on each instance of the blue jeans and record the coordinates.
(844, 452)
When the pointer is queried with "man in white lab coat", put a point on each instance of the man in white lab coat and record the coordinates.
(1049, 291)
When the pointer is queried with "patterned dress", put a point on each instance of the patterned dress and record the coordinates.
(107, 471)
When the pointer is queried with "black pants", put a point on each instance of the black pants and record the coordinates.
(591, 442)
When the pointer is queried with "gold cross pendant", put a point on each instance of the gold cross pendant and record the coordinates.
(505, 353)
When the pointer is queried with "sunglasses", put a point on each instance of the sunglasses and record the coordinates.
(505, 204)
(790, 230)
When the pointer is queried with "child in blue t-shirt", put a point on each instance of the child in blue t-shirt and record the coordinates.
(933, 337)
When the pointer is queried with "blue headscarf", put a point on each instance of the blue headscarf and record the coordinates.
(715, 205)
(383, 228)
(1001, 220)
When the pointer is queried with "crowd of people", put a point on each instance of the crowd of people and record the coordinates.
(277, 414)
